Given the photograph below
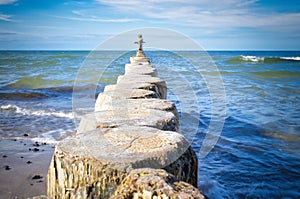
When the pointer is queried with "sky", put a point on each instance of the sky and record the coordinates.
(213, 24)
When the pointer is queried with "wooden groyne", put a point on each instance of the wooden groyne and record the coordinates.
(130, 147)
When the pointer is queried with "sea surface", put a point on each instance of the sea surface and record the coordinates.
(258, 151)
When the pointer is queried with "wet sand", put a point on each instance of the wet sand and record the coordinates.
(23, 168)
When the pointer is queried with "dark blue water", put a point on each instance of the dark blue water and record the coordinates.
(258, 152)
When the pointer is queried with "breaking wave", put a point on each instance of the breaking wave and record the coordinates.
(25, 111)
(258, 59)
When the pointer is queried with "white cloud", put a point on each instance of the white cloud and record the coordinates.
(4, 2)
(97, 19)
(101, 20)
(4, 17)
(209, 14)
(79, 15)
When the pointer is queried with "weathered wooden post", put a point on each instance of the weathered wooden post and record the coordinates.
(133, 127)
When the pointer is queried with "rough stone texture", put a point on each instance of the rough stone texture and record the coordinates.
(125, 104)
(134, 79)
(93, 164)
(150, 183)
(141, 69)
(160, 91)
(117, 139)
(131, 93)
(124, 94)
(109, 96)
(135, 117)
(139, 58)
(72, 176)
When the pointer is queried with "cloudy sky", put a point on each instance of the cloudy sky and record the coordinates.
(214, 24)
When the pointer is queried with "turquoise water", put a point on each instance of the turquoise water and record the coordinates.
(258, 152)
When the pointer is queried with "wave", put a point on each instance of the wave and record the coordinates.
(36, 82)
(23, 95)
(291, 58)
(9, 93)
(219, 73)
(252, 58)
(278, 74)
(282, 129)
(258, 59)
(25, 111)
(54, 136)
(63, 56)
(44, 63)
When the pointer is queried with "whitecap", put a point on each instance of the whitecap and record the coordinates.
(51, 137)
(25, 111)
(252, 58)
(291, 58)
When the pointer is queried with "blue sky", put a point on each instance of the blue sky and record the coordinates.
(214, 24)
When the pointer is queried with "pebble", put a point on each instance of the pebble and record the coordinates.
(36, 144)
(37, 177)
(6, 167)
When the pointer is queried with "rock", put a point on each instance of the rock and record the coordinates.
(141, 69)
(155, 183)
(7, 167)
(127, 93)
(133, 127)
(36, 177)
(36, 144)
(135, 85)
(135, 117)
(138, 79)
(124, 94)
(125, 104)
(139, 58)
(95, 163)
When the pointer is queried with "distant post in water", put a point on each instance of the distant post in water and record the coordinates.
(140, 42)
(140, 52)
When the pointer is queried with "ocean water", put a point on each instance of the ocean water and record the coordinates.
(258, 151)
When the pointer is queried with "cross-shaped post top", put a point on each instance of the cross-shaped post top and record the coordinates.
(140, 42)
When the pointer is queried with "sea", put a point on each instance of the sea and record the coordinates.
(256, 153)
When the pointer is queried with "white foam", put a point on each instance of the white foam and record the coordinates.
(44, 140)
(291, 58)
(252, 58)
(50, 137)
(25, 111)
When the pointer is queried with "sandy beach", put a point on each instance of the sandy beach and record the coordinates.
(24, 166)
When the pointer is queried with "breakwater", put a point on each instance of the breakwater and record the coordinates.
(130, 147)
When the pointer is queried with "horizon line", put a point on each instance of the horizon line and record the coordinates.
(1, 50)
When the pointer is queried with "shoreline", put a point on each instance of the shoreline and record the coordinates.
(23, 168)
